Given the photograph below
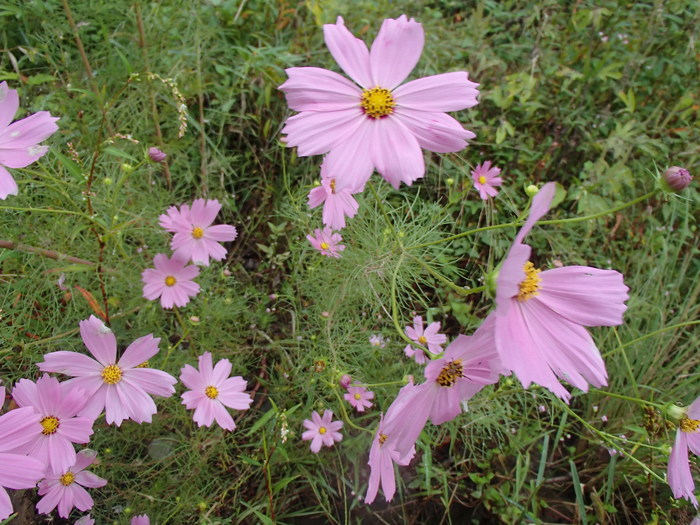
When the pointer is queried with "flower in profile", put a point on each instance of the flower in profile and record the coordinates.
(195, 238)
(56, 408)
(486, 179)
(326, 242)
(428, 338)
(211, 390)
(85, 520)
(541, 315)
(321, 430)
(677, 178)
(171, 280)
(143, 519)
(377, 123)
(156, 155)
(345, 380)
(680, 479)
(64, 488)
(19, 141)
(119, 387)
(337, 203)
(359, 397)
(377, 340)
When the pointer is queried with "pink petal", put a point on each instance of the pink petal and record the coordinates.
(5, 503)
(434, 131)
(316, 133)
(88, 479)
(28, 131)
(204, 413)
(8, 186)
(395, 51)
(51, 499)
(100, 340)
(317, 89)
(223, 418)
(221, 371)
(203, 212)
(349, 52)
(76, 429)
(20, 471)
(138, 404)
(21, 157)
(680, 479)
(317, 196)
(18, 427)
(140, 351)
(152, 381)
(438, 93)
(9, 103)
(221, 233)
(192, 378)
(395, 152)
(540, 206)
(349, 161)
(70, 363)
(81, 498)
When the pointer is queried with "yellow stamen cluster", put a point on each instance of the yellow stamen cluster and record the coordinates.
(322, 430)
(197, 232)
(358, 396)
(449, 375)
(377, 102)
(531, 283)
(382, 438)
(332, 186)
(482, 180)
(422, 340)
(211, 392)
(689, 425)
(170, 280)
(67, 479)
(143, 365)
(50, 425)
(325, 245)
(111, 374)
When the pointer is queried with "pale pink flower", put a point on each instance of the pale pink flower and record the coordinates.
(171, 280)
(377, 340)
(486, 179)
(337, 203)
(17, 428)
(85, 520)
(19, 142)
(211, 390)
(680, 478)
(321, 430)
(326, 242)
(56, 407)
(379, 124)
(120, 388)
(359, 397)
(345, 381)
(156, 155)
(540, 316)
(195, 238)
(64, 488)
(143, 519)
(428, 337)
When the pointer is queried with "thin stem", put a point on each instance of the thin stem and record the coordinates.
(602, 213)
(444, 280)
(45, 253)
(627, 398)
(651, 334)
(380, 205)
(394, 304)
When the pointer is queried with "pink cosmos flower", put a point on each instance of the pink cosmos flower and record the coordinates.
(486, 179)
(64, 488)
(171, 280)
(379, 124)
(195, 238)
(321, 430)
(337, 203)
(377, 340)
(326, 242)
(680, 479)
(56, 407)
(540, 316)
(17, 429)
(120, 388)
(429, 338)
(19, 142)
(359, 397)
(345, 381)
(211, 389)
(143, 519)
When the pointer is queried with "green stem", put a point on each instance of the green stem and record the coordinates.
(394, 304)
(380, 205)
(627, 398)
(651, 334)
(459, 289)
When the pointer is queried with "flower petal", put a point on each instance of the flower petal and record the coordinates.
(317, 89)
(438, 93)
(8, 186)
(395, 51)
(436, 132)
(316, 133)
(395, 152)
(100, 340)
(349, 52)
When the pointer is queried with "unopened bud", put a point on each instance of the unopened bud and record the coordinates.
(675, 412)
(345, 380)
(127, 168)
(678, 178)
(450, 181)
(156, 155)
(532, 190)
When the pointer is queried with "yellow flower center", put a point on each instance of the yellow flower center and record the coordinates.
(324, 245)
(111, 374)
(50, 425)
(67, 479)
(422, 340)
(689, 425)
(322, 430)
(143, 365)
(211, 392)
(531, 283)
(377, 102)
(170, 280)
(482, 180)
(382, 438)
(197, 232)
(332, 186)
(358, 396)
(449, 375)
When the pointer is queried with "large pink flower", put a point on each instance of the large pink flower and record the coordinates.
(680, 479)
(211, 390)
(19, 142)
(120, 388)
(540, 316)
(337, 203)
(379, 124)
(170, 280)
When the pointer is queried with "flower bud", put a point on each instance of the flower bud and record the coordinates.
(532, 190)
(677, 178)
(345, 381)
(127, 168)
(156, 155)
(675, 412)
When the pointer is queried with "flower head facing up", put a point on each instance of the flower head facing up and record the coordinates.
(337, 203)
(540, 316)
(19, 141)
(322, 431)
(427, 337)
(359, 397)
(377, 340)
(119, 387)
(171, 280)
(679, 476)
(211, 390)
(486, 179)
(326, 242)
(376, 122)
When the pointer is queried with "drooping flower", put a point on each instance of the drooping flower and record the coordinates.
(337, 203)
(195, 238)
(680, 478)
(120, 388)
(486, 179)
(56, 408)
(64, 488)
(19, 141)
(211, 390)
(377, 340)
(171, 280)
(156, 155)
(379, 124)
(359, 397)
(540, 316)
(428, 338)
(326, 242)
(321, 430)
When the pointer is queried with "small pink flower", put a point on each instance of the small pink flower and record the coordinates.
(64, 487)
(486, 179)
(377, 340)
(345, 381)
(19, 142)
(171, 280)
(417, 354)
(195, 238)
(428, 337)
(337, 203)
(359, 397)
(326, 242)
(156, 155)
(211, 390)
(120, 388)
(680, 478)
(143, 519)
(321, 430)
